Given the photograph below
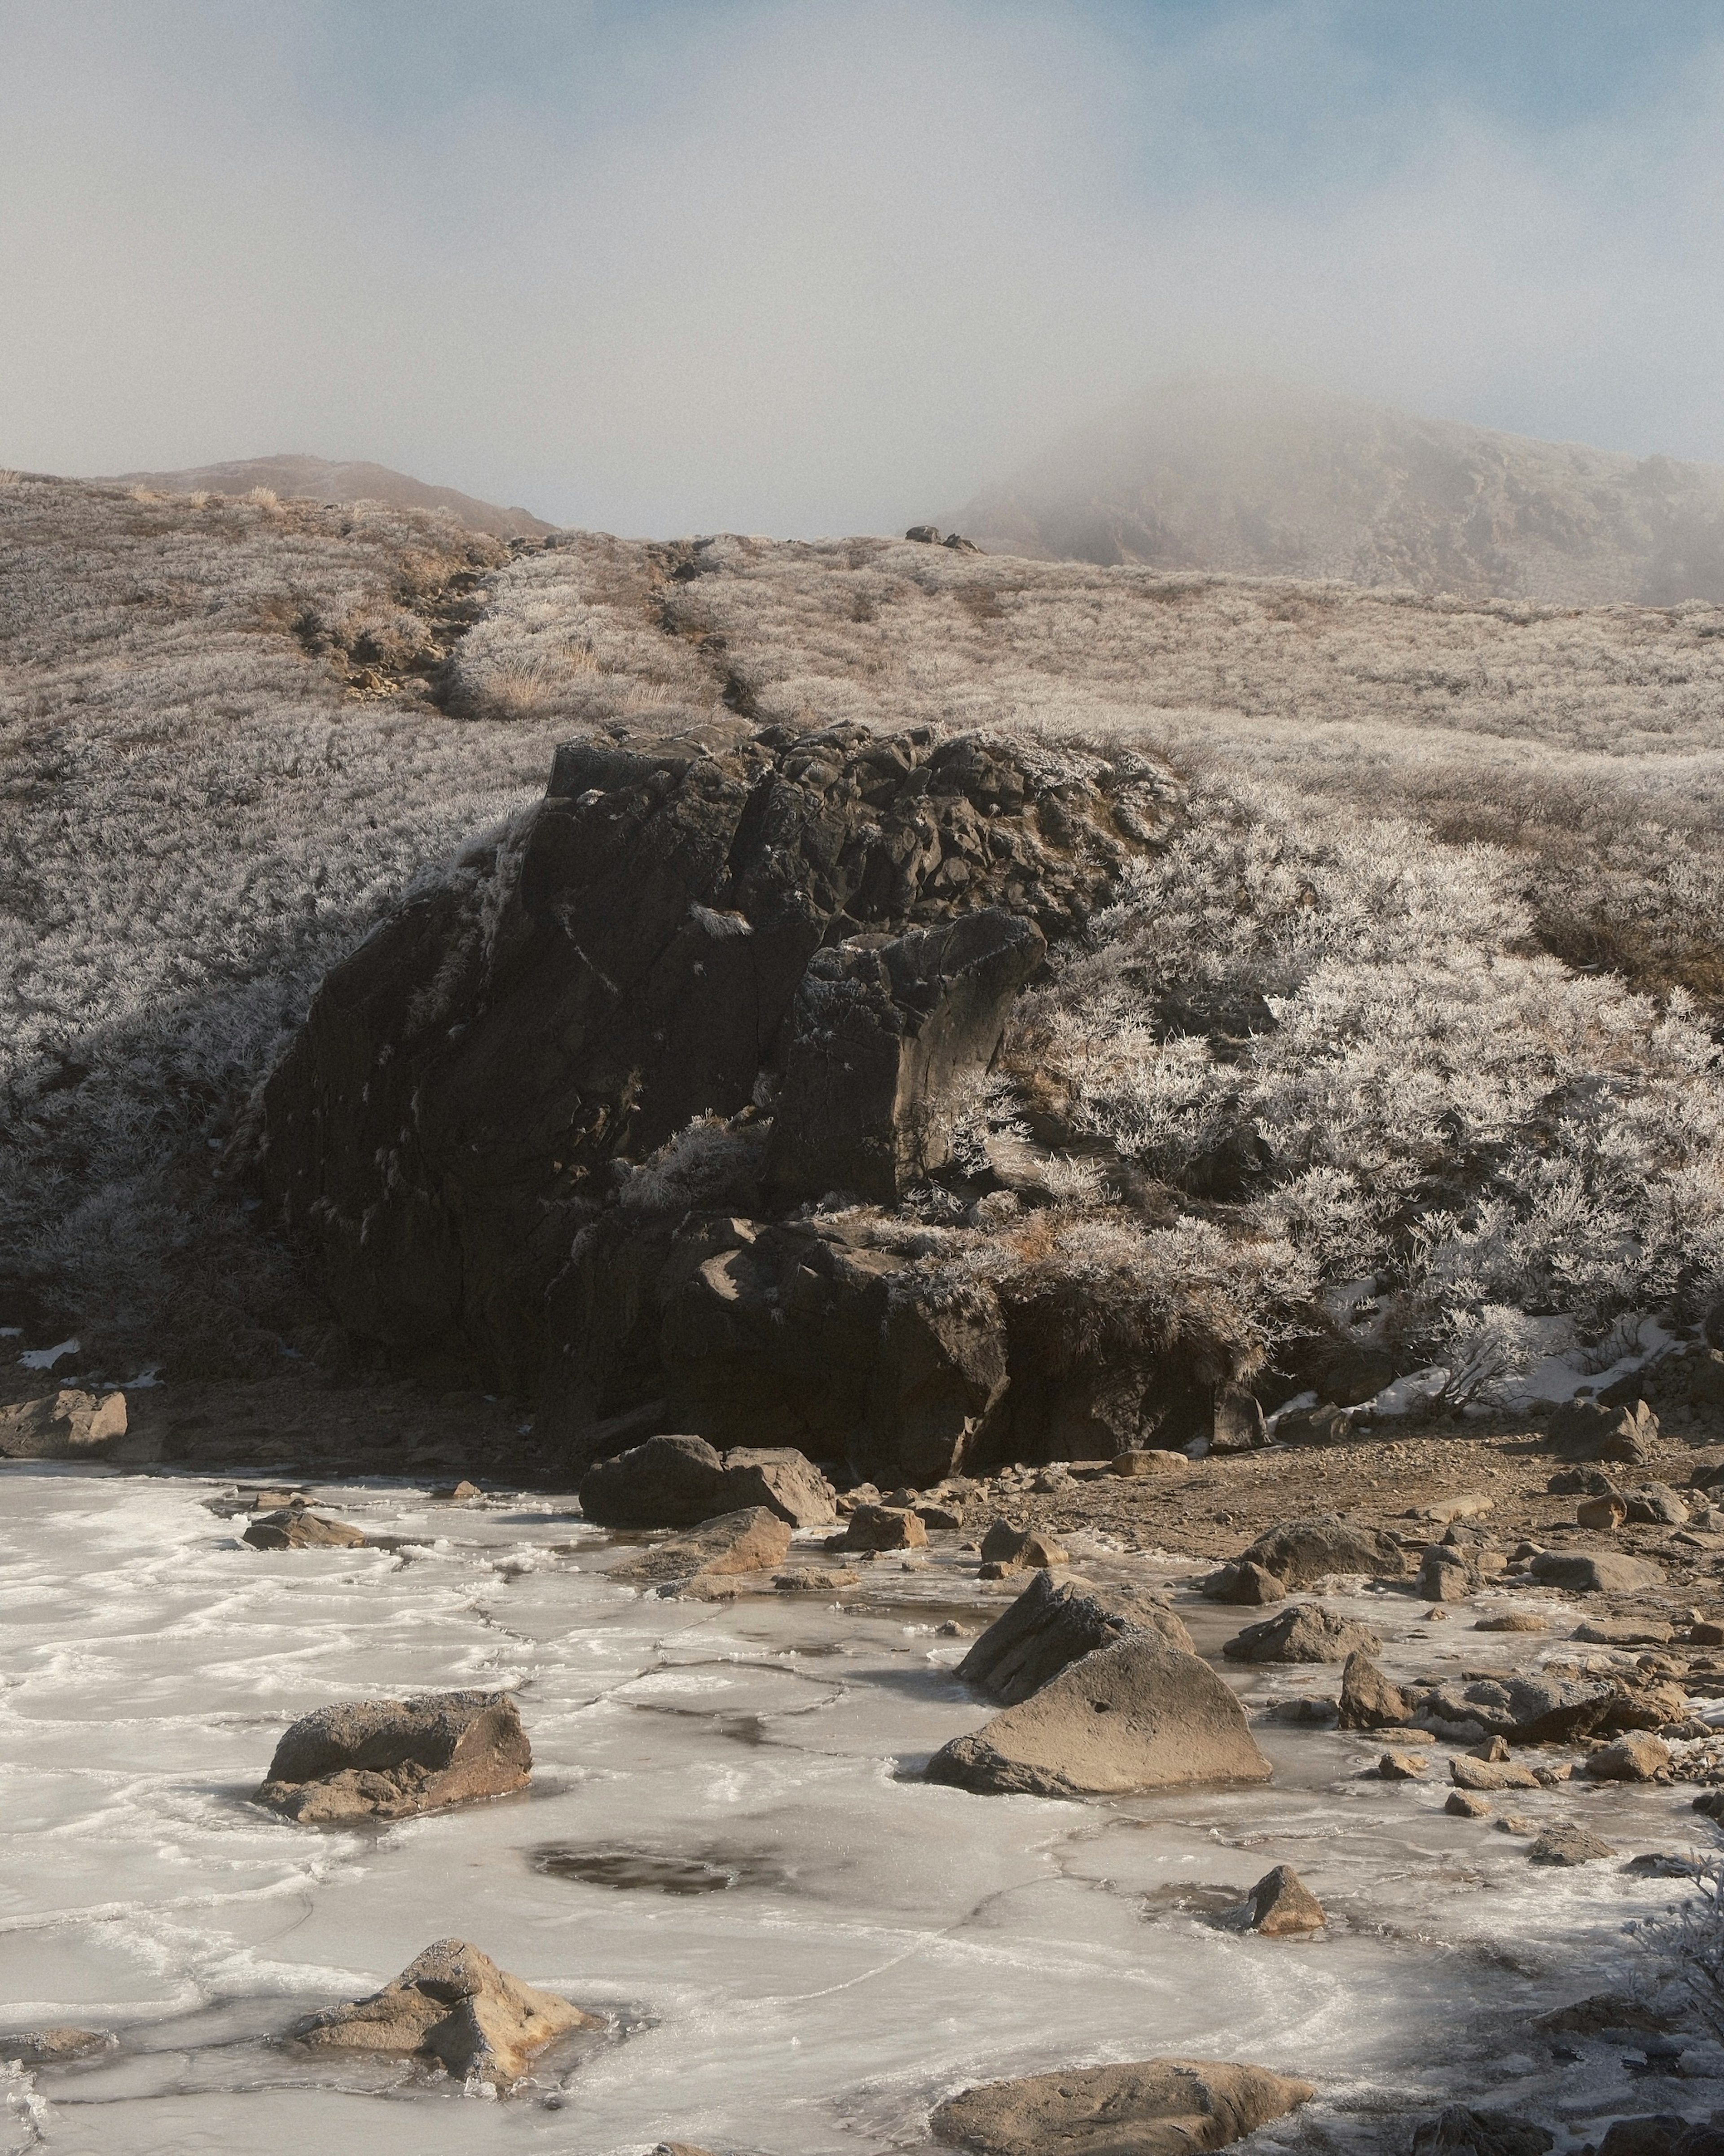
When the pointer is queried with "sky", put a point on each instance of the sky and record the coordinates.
(811, 266)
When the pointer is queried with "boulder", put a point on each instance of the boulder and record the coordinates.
(1481, 1774)
(389, 1758)
(1161, 2107)
(49, 2047)
(1624, 1632)
(1568, 1844)
(884, 1034)
(884, 1527)
(1543, 1709)
(1652, 2135)
(1369, 1701)
(1588, 1430)
(1595, 1572)
(294, 1527)
(1283, 1906)
(1236, 1420)
(452, 2003)
(1457, 2131)
(1638, 1757)
(1467, 1804)
(63, 1425)
(1144, 1464)
(1243, 1582)
(1137, 1715)
(667, 1482)
(938, 1386)
(814, 1580)
(1006, 1549)
(1321, 1425)
(1051, 1626)
(1654, 1505)
(785, 1481)
(1307, 1633)
(472, 1083)
(1604, 1514)
(1300, 1552)
(735, 1547)
(1444, 1575)
(924, 534)
(1513, 1621)
(1402, 1766)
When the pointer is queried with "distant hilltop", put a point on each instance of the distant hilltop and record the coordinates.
(1250, 478)
(316, 479)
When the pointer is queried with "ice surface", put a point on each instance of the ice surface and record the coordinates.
(801, 1945)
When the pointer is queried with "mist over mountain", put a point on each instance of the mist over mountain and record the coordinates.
(316, 479)
(1252, 478)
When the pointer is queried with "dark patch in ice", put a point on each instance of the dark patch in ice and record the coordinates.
(659, 1872)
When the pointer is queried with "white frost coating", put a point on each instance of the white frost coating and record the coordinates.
(885, 1940)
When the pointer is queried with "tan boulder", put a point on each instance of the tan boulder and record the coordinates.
(1638, 1756)
(63, 1425)
(1053, 1625)
(48, 2047)
(1483, 1774)
(1007, 1549)
(1369, 1701)
(1141, 1715)
(713, 1558)
(391, 1758)
(1157, 2107)
(453, 2004)
(295, 1527)
(883, 1527)
(1135, 1465)
(1282, 1905)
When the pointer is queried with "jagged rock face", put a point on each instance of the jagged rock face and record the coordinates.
(449, 1117)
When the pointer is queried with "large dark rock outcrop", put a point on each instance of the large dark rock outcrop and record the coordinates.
(564, 1117)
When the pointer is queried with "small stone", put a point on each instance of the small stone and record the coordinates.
(952, 1629)
(1436, 1616)
(1282, 1904)
(1467, 1804)
(1493, 1748)
(460, 1493)
(1142, 1464)
(1402, 1766)
(1568, 1844)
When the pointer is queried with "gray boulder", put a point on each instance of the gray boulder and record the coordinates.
(1160, 2108)
(667, 1482)
(1307, 1633)
(1283, 1906)
(1369, 1701)
(1051, 1626)
(1595, 1572)
(64, 1425)
(1568, 1844)
(452, 2003)
(1457, 2131)
(1444, 1575)
(294, 1527)
(1138, 1716)
(785, 1481)
(387, 1758)
(1243, 1582)
(884, 1033)
(1589, 1430)
(1299, 1553)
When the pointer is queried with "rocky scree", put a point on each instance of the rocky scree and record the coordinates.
(580, 1117)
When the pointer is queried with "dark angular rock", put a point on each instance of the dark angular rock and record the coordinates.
(294, 1527)
(1457, 2131)
(1051, 1626)
(1369, 1701)
(1596, 1571)
(1283, 1906)
(1589, 1430)
(667, 1482)
(1320, 1425)
(882, 1033)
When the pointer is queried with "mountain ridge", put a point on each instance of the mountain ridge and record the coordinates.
(297, 478)
(1251, 477)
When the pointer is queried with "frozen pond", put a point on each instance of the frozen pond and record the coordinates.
(801, 1946)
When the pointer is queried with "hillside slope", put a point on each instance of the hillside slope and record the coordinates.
(1253, 479)
(316, 479)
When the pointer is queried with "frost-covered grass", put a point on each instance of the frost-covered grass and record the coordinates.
(1422, 991)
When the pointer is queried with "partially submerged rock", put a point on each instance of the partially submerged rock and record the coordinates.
(452, 2003)
(1141, 1715)
(1568, 1844)
(1307, 1633)
(1243, 1582)
(1369, 1701)
(68, 1425)
(1283, 1906)
(1637, 1757)
(51, 2047)
(294, 1527)
(1006, 1548)
(1300, 1552)
(1051, 1626)
(1402, 1766)
(1161, 2107)
(884, 1527)
(1481, 1774)
(784, 1481)
(391, 1758)
(1457, 2131)
(718, 1552)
